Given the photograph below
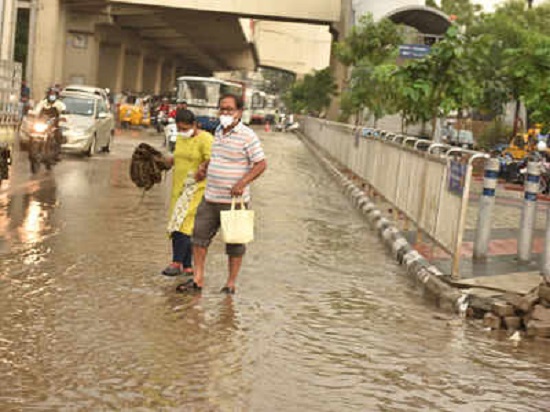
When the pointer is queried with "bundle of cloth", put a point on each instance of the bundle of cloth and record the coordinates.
(147, 166)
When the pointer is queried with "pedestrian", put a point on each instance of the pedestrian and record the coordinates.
(193, 147)
(237, 160)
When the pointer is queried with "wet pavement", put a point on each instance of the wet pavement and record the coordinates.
(323, 320)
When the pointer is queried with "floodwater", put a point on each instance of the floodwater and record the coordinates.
(323, 319)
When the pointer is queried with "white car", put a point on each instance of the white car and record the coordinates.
(76, 88)
(87, 124)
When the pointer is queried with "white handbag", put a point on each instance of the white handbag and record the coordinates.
(237, 224)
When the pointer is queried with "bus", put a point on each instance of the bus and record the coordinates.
(202, 95)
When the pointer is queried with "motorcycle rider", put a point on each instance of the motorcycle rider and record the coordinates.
(52, 108)
(181, 104)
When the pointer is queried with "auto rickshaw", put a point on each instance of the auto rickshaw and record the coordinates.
(524, 143)
(133, 111)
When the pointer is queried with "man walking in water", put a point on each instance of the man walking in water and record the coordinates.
(237, 160)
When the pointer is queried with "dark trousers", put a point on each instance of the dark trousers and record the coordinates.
(182, 249)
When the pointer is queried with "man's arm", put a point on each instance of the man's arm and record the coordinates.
(248, 178)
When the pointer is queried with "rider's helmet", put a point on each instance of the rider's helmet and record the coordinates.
(181, 102)
(542, 146)
(52, 94)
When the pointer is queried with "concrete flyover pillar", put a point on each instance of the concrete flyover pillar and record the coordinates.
(121, 63)
(138, 87)
(8, 20)
(173, 71)
(49, 47)
(158, 76)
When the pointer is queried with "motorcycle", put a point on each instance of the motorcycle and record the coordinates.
(162, 121)
(5, 162)
(43, 147)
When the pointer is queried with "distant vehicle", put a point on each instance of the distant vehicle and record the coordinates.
(202, 95)
(462, 138)
(89, 125)
(257, 106)
(76, 88)
(271, 105)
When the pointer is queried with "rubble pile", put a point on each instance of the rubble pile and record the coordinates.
(530, 312)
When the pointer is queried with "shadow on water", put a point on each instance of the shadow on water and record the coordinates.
(323, 319)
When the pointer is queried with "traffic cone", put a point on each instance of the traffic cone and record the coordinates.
(267, 127)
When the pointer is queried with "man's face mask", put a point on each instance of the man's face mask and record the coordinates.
(226, 120)
(52, 98)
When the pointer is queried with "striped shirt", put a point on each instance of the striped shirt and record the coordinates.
(233, 156)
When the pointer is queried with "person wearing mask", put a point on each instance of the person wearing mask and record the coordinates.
(52, 108)
(193, 147)
(237, 160)
(181, 104)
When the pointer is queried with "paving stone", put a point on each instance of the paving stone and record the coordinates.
(512, 322)
(541, 313)
(490, 320)
(538, 328)
(503, 309)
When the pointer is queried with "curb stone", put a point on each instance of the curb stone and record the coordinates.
(426, 275)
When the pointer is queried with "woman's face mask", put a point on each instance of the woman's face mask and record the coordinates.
(187, 134)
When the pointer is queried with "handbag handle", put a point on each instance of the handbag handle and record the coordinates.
(234, 199)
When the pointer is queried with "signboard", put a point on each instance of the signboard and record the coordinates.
(457, 176)
(413, 51)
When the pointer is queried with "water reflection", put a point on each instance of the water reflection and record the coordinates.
(26, 215)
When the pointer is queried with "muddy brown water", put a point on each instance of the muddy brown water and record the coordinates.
(324, 319)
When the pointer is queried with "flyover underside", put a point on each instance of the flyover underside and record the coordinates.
(203, 42)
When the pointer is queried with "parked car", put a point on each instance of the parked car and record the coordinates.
(87, 125)
(76, 88)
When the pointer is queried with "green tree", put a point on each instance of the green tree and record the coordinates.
(432, 87)
(312, 94)
(370, 50)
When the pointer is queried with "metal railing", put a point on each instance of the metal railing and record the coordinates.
(10, 88)
(411, 174)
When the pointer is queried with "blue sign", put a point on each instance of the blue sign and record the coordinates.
(413, 51)
(457, 176)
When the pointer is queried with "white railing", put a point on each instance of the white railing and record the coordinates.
(414, 181)
(10, 87)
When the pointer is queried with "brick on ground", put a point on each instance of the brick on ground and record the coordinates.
(528, 301)
(513, 299)
(538, 328)
(512, 322)
(541, 313)
(544, 292)
(503, 309)
(492, 321)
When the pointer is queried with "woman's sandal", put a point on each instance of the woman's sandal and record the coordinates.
(227, 290)
(189, 287)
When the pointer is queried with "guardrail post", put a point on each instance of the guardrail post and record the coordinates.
(486, 205)
(529, 212)
(546, 254)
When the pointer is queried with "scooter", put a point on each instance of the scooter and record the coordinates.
(170, 134)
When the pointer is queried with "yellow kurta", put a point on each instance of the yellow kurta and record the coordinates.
(188, 155)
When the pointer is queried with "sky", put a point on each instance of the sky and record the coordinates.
(488, 5)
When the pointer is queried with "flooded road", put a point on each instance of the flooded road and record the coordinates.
(323, 320)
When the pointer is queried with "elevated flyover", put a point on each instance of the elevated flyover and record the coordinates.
(142, 45)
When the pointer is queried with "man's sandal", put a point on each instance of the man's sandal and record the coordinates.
(189, 287)
(227, 290)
